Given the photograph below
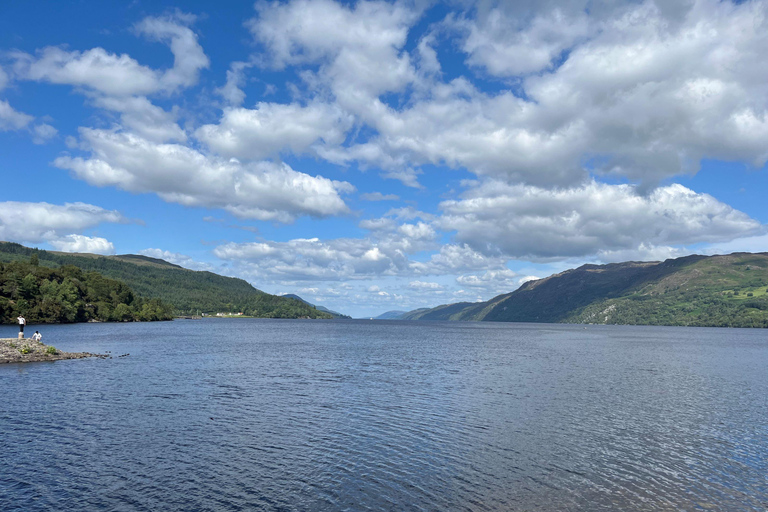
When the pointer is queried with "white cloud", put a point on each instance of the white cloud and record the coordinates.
(140, 116)
(457, 258)
(643, 252)
(378, 196)
(497, 40)
(363, 56)
(272, 128)
(188, 55)
(43, 132)
(45, 222)
(110, 74)
(387, 252)
(528, 222)
(179, 174)
(639, 90)
(11, 119)
(424, 285)
(494, 281)
(746, 244)
(232, 91)
(82, 244)
(3, 79)
(95, 69)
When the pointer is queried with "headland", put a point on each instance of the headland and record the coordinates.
(27, 351)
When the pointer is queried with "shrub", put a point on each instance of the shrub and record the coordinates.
(25, 350)
(51, 350)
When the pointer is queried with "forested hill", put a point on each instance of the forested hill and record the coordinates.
(717, 291)
(188, 291)
(335, 314)
(68, 294)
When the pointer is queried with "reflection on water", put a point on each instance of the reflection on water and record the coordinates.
(352, 415)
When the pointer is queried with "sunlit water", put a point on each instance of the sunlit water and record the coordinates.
(246, 414)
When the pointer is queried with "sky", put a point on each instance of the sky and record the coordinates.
(377, 156)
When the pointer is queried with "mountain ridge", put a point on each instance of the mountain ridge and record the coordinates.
(335, 314)
(720, 290)
(188, 291)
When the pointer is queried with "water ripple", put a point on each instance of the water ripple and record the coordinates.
(294, 416)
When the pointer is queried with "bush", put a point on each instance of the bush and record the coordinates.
(51, 350)
(25, 350)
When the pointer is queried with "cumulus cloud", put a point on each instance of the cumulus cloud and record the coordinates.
(43, 132)
(360, 62)
(520, 221)
(82, 244)
(232, 90)
(58, 225)
(188, 55)
(387, 252)
(100, 71)
(508, 44)
(494, 281)
(424, 285)
(271, 128)
(147, 120)
(639, 90)
(179, 174)
(95, 69)
(11, 119)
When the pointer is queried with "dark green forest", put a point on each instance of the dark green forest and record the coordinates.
(68, 294)
(187, 291)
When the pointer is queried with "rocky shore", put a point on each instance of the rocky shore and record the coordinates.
(27, 351)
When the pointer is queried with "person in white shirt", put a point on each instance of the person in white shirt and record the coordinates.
(37, 336)
(22, 323)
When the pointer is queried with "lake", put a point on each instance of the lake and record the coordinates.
(284, 415)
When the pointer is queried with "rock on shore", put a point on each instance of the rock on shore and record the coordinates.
(27, 351)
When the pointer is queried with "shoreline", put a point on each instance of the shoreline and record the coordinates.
(26, 350)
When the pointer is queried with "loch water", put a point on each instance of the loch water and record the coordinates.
(292, 415)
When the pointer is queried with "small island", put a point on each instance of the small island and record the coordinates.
(27, 351)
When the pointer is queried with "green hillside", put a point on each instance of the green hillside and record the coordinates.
(67, 294)
(334, 314)
(720, 291)
(188, 291)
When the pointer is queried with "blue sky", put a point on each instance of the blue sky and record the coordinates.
(375, 156)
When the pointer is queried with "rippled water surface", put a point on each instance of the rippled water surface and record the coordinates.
(247, 414)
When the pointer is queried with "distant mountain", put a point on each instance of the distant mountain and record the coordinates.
(391, 315)
(188, 291)
(319, 308)
(721, 291)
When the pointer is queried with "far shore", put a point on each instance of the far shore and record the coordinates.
(26, 350)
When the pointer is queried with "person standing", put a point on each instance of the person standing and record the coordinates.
(22, 323)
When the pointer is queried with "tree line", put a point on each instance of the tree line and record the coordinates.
(68, 294)
(187, 291)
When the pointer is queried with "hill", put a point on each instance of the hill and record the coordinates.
(67, 294)
(188, 291)
(717, 291)
(391, 315)
(319, 308)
